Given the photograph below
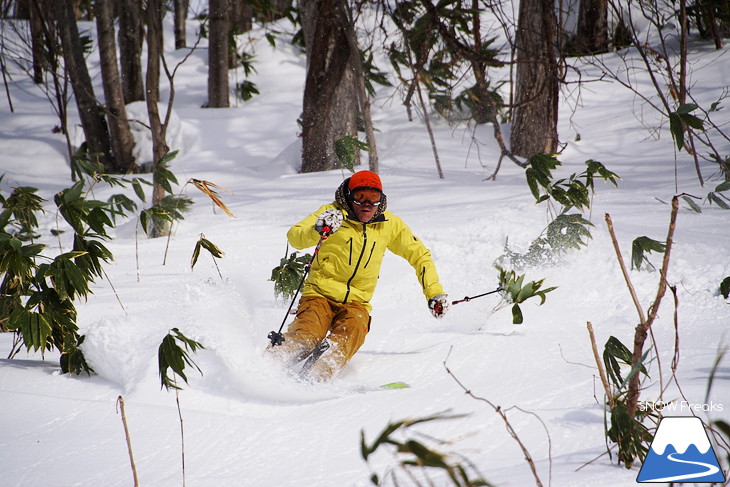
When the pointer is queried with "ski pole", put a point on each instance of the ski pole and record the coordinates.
(275, 336)
(469, 298)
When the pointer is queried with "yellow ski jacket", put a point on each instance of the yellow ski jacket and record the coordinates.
(347, 266)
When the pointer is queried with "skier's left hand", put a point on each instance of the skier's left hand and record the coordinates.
(438, 305)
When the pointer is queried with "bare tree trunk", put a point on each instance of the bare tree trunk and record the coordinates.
(362, 96)
(121, 136)
(181, 15)
(131, 38)
(154, 53)
(535, 117)
(277, 9)
(592, 33)
(92, 118)
(330, 96)
(241, 16)
(57, 76)
(36, 37)
(218, 55)
(22, 9)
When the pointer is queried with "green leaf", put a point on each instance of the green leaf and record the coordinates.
(693, 206)
(346, 148)
(527, 291)
(676, 129)
(532, 183)
(164, 177)
(595, 167)
(34, 327)
(725, 287)
(615, 353)
(693, 122)
(427, 457)
(196, 254)
(288, 274)
(167, 158)
(5, 218)
(642, 245)
(517, 317)
(172, 356)
(138, 190)
(212, 248)
(722, 187)
(686, 108)
(714, 198)
(73, 193)
(636, 368)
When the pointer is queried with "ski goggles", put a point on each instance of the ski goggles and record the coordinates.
(365, 195)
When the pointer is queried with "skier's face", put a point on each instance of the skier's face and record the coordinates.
(364, 212)
(365, 201)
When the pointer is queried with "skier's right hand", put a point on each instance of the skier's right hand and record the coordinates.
(329, 221)
(439, 305)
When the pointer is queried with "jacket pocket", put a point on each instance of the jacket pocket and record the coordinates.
(370, 256)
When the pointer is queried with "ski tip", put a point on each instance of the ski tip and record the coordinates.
(395, 385)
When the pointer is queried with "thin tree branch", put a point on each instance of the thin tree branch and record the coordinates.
(120, 402)
(508, 426)
(625, 273)
(601, 371)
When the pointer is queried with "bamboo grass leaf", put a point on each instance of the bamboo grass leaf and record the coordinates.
(206, 188)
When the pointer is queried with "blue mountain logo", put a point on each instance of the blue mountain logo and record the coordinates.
(681, 452)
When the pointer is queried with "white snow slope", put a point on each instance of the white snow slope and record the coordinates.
(245, 422)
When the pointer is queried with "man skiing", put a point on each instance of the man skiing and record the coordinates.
(333, 316)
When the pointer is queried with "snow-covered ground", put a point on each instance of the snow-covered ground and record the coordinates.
(245, 422)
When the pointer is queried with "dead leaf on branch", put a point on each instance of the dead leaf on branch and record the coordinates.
(207, 188)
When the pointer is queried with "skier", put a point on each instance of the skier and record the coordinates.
(334, 310)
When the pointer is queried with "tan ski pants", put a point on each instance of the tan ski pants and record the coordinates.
(344, 326)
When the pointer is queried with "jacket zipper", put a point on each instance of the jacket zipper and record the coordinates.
(359, 259)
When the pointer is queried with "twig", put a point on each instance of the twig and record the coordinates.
(106, 276)
(182, 431)
(508, 426)
(136, 248)
(182, 435)
(562, 355)
(609, 223)
(218, 269)
(607, 452)
(642, 328)
(15, 347)
(5, 81)
(120, 402)
(601, 371)
(428, 127)
(167, 245)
